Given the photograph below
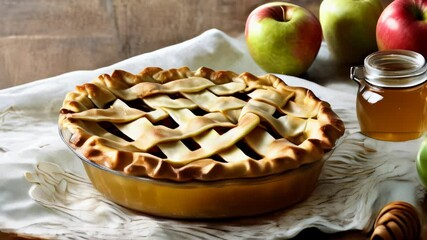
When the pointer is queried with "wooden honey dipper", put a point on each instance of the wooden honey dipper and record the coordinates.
(397, 220)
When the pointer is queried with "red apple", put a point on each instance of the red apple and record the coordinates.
(283, 37)
(403, 25)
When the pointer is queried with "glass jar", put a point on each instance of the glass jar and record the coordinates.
(391, 100)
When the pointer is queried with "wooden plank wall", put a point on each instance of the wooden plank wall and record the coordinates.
(43, 38)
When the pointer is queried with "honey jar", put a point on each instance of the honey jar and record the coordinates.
(392, 95)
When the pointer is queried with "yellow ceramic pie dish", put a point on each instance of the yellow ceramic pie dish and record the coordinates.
(203, 200)
(199, 144)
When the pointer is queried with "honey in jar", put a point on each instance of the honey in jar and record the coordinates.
(392, 96)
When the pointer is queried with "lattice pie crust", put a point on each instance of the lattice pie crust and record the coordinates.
(184, 125)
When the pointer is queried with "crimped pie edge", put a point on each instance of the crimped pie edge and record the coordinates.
(139, 164)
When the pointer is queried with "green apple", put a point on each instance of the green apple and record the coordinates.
(422, 163)
(283, 37)
(349, 28)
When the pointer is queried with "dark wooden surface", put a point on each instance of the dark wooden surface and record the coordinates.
(43, 38)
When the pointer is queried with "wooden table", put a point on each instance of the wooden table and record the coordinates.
(44, 38)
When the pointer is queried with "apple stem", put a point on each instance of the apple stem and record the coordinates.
(419, 15)
(278, 13)
(283, 13)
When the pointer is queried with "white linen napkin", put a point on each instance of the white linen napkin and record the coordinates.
(45, 192)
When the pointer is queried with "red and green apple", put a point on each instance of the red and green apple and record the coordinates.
(283, 37)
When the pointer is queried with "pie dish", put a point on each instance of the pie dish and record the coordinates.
(202, 130)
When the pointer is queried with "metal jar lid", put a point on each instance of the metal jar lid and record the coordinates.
(395, 69)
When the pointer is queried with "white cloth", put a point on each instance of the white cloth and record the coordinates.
(44, 190)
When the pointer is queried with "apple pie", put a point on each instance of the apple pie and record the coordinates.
(204, 125)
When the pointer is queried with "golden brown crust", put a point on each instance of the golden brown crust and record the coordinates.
(84, 109)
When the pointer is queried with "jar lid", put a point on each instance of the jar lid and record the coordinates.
(395, 68)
